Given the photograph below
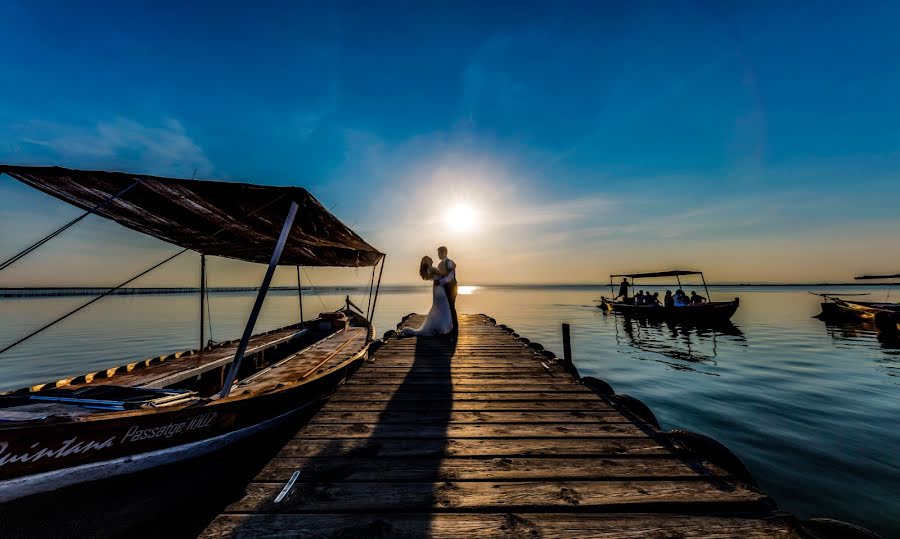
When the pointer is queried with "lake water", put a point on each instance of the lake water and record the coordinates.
(812, 409)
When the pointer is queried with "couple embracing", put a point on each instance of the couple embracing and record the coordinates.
(441, 319)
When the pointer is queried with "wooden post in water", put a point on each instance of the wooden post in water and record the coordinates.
(567, 348)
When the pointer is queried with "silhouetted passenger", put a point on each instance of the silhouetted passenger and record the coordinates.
(669, 301)
(639, 298)
(623, 289)
(681, 300)
(652, 299)
(696, 298)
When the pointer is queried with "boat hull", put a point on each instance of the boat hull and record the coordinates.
(37, 458)
(711, 312)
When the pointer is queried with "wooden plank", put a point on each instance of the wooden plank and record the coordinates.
(475, 447)
(595, 405)
(484, 469)
(498, 526)
(507, 495)
(488, 430)
(482, 387)
(359, 393)
(457, 417)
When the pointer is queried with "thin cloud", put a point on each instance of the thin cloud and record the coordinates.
(120, 143)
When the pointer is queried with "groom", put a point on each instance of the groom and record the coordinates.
(448, 267)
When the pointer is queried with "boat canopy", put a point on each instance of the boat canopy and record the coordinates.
(232, 220)
(864, 277)
(673, 273)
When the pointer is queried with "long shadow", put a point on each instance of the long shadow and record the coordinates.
(416, 418)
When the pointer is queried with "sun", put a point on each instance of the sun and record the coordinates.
(461, 218)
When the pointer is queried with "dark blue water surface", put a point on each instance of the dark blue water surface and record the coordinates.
(811, 408)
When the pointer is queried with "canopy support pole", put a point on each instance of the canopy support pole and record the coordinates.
(377, 288)
(260, 297)
(202, 296)
(300, 294)
(708, 298)
(371, 286)
(677, 278)
(612, 289)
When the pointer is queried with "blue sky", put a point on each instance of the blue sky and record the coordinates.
(758, 141)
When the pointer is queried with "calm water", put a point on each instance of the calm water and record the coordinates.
(812, 409)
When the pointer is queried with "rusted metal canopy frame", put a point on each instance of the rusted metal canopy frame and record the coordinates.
(260, 297)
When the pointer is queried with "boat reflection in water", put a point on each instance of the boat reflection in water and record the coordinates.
(690, 345)
(855, 331)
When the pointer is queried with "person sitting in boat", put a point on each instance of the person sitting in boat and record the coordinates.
(669, 301)
(623, 289)
(696, 298)
(681, 299)
(652, 299)
(639, 298)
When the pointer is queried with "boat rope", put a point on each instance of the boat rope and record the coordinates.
(101, 296)
(315, 291)
(34, 246)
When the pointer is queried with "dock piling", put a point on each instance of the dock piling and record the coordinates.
(567, 348)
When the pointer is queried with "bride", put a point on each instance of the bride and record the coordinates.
(439, 320)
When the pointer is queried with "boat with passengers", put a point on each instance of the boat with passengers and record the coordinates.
(706, 312)
(159, 410)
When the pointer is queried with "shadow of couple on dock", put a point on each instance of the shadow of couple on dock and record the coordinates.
(403, 408)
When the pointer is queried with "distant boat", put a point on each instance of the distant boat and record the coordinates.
(885, 315)
(168, 408)
(708, 312)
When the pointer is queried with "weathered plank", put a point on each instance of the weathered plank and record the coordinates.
(447, 416)
(470, 430)
(499, 495)
(498, 526)
(484, 469)
(475, 447)
(469, 387)
(594, 405)
(359, 393)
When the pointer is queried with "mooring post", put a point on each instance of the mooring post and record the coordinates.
(567, 347)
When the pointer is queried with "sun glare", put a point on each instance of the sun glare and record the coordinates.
(461, 218)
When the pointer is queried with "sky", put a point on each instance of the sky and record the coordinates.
(547, 142)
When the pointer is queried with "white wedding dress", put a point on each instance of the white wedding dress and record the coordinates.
(439, 320)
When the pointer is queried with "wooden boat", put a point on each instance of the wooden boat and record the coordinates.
(885, 315)
(153, 412)
(831, 307)
(707, 313)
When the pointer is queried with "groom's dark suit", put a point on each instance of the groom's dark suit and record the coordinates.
(448, 267)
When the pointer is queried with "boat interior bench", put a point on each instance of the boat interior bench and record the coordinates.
(320, 356)
(209, 364)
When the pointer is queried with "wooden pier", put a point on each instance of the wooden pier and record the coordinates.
(490, 437)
